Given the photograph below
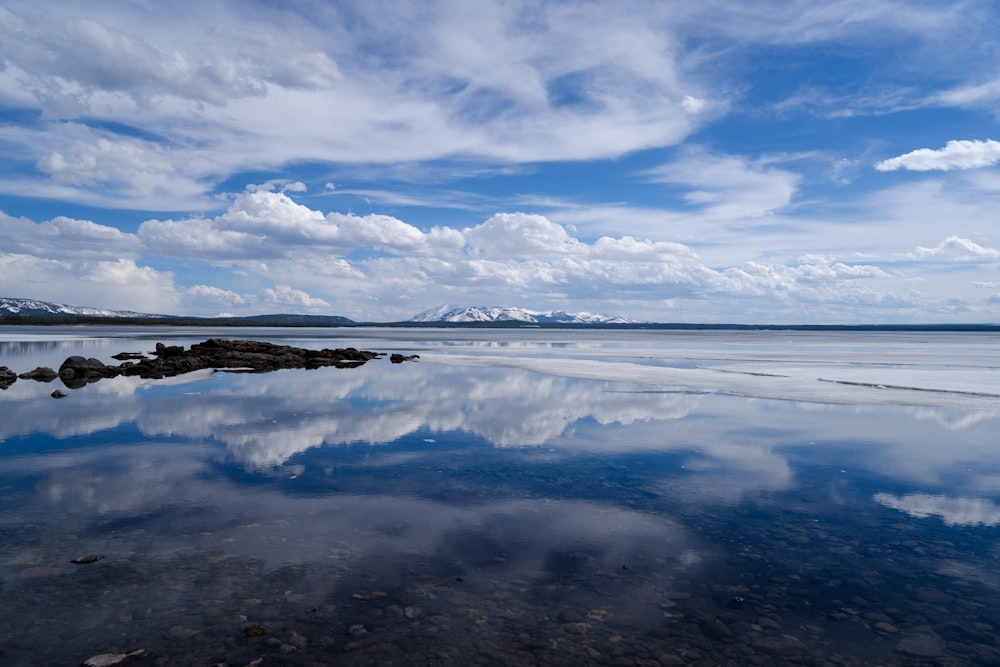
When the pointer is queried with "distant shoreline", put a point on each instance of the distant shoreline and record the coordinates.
(324, 322)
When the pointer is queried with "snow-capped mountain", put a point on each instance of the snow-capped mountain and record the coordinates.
(34, 308)
(501, 314)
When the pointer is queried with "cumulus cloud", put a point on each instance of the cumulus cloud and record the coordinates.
(520, 235)
(215, 295)
(62, 237)
(954, 155)
(957, 249)
(283, 295)
(119, 284)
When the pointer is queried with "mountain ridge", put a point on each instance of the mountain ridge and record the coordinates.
(38, 308)
(468, 314)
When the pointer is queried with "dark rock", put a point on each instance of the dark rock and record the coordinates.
(128, 356)
(40, 374)
(77, 371)
(59, 393)
(215, 353)
(7, 377)
(397, 358)
(167, 351)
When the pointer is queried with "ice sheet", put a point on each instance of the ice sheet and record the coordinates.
(937, 386)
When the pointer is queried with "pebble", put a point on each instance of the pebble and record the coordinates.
(90, 558)
(888, 628)
(115, 659)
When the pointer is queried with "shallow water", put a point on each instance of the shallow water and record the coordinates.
(515, 497)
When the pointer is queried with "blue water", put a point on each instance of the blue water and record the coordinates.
(514, 497)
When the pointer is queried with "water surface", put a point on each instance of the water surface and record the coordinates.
(515, 497)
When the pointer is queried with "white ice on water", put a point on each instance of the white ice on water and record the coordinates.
(896, 370)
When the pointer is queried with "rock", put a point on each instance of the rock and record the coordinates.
(925, 645)
(128, 356)
(357, 630)
(40, 374)
(254, 631)
(77, 371)
(887, 628)
(59, 393)
(397, 358)
(90, 558)
(413, 612)
(166, 351)
(256, 356)
(115, 659)
(214, 353)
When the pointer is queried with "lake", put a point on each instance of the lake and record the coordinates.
(514, 497)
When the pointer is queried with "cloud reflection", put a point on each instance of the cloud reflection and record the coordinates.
(953, 511)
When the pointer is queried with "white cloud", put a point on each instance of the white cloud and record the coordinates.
(957, 249)
(283, 295)
(971, 95)
(116, 284)
(520, 235)
(67, 238)
(954, 155)
(215, 295)
(727, 186)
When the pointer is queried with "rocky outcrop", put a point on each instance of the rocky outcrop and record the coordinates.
(248, 355)
(216, 353)
(40, 374)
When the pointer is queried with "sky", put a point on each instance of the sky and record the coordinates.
(781, 161)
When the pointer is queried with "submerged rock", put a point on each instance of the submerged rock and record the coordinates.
(115, 659)
(59, 393)
(90, 558)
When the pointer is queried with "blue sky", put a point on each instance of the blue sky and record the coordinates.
(718, 161)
